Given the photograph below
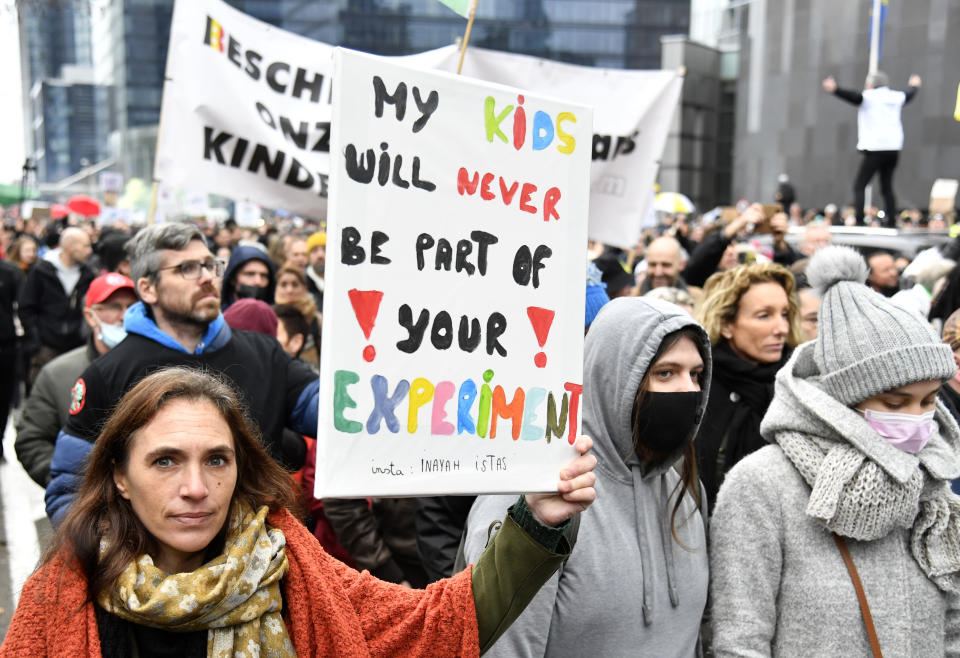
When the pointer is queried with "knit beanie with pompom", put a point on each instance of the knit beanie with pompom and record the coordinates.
(866, 345)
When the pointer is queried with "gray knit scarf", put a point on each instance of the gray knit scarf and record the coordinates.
(861, 486)
(853, 497)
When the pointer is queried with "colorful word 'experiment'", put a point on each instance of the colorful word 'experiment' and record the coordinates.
(492, 406)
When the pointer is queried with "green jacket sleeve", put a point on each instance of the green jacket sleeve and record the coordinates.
(511, 571)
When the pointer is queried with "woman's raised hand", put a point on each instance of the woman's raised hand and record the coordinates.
(575, 490)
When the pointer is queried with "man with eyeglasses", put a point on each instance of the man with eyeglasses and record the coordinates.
(47, 408)
(178, 323)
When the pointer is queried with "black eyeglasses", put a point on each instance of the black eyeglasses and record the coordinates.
(190, 269)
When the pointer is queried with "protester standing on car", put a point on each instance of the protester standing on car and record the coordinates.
(642, 548)
(751, 316)
(845, 529)
(879, 134)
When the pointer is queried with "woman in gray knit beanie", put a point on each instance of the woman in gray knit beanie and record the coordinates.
(862, 455)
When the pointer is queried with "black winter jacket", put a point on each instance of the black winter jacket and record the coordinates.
(11, 278)
(50, 315)
(705, 258)
(440, 522)
(379, 535)
(740, 393)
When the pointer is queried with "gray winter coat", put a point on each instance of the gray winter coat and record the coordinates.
(628, 589)
(779, 586)
(47, 409)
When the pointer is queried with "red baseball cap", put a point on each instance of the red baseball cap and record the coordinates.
(105, 285)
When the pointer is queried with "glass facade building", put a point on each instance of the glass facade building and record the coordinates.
(125, 41)
(56, 51)
(605, 33)
(69, 128)
(52, 35)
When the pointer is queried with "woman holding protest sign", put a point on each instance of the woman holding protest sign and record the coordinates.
(643, 546)
(182, 542)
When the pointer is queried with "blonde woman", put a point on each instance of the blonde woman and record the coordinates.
(752, 318)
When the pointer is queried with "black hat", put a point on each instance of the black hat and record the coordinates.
(613, 273)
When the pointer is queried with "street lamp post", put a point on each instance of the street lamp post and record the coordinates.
(28, 166)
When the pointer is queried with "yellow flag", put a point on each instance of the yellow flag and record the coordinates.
(956, 111)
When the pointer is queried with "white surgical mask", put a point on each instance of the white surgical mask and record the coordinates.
(112, 334)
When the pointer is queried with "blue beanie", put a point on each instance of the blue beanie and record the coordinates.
(596, 293)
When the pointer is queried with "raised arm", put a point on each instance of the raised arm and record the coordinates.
(913, 86)
(852, 97)
(522, 557)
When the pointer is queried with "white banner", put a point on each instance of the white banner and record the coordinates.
(455, 284)
(246, 114)
(246, 110)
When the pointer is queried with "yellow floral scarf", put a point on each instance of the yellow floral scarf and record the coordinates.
(235, 596)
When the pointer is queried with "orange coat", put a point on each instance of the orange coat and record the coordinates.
(332, 610)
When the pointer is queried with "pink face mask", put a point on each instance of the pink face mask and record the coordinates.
(908, 432)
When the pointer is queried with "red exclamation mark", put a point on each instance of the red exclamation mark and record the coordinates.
(541, 319)
(366, 305)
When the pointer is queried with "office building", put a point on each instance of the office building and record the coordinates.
(786, 123)
(126, 42)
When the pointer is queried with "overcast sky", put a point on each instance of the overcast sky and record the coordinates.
(11, 109)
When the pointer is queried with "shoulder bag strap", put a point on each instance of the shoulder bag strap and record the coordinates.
(861, 596)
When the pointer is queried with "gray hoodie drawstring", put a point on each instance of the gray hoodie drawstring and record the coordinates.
(645, 559)
(666, 540)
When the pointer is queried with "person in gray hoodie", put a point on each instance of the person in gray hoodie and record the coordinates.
(861, 460)
(636, 584)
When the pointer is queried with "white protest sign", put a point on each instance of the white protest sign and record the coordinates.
(632, 114)
(454, 298)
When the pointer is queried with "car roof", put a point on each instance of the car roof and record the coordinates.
(900, 242)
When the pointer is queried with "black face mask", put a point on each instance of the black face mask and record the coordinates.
(243, 291)
(665, 421)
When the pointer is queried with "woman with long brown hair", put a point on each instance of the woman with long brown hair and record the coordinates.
(183, 542)
(637, 583)
(23, 252)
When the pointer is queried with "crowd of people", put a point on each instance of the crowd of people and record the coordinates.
(774, 436)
